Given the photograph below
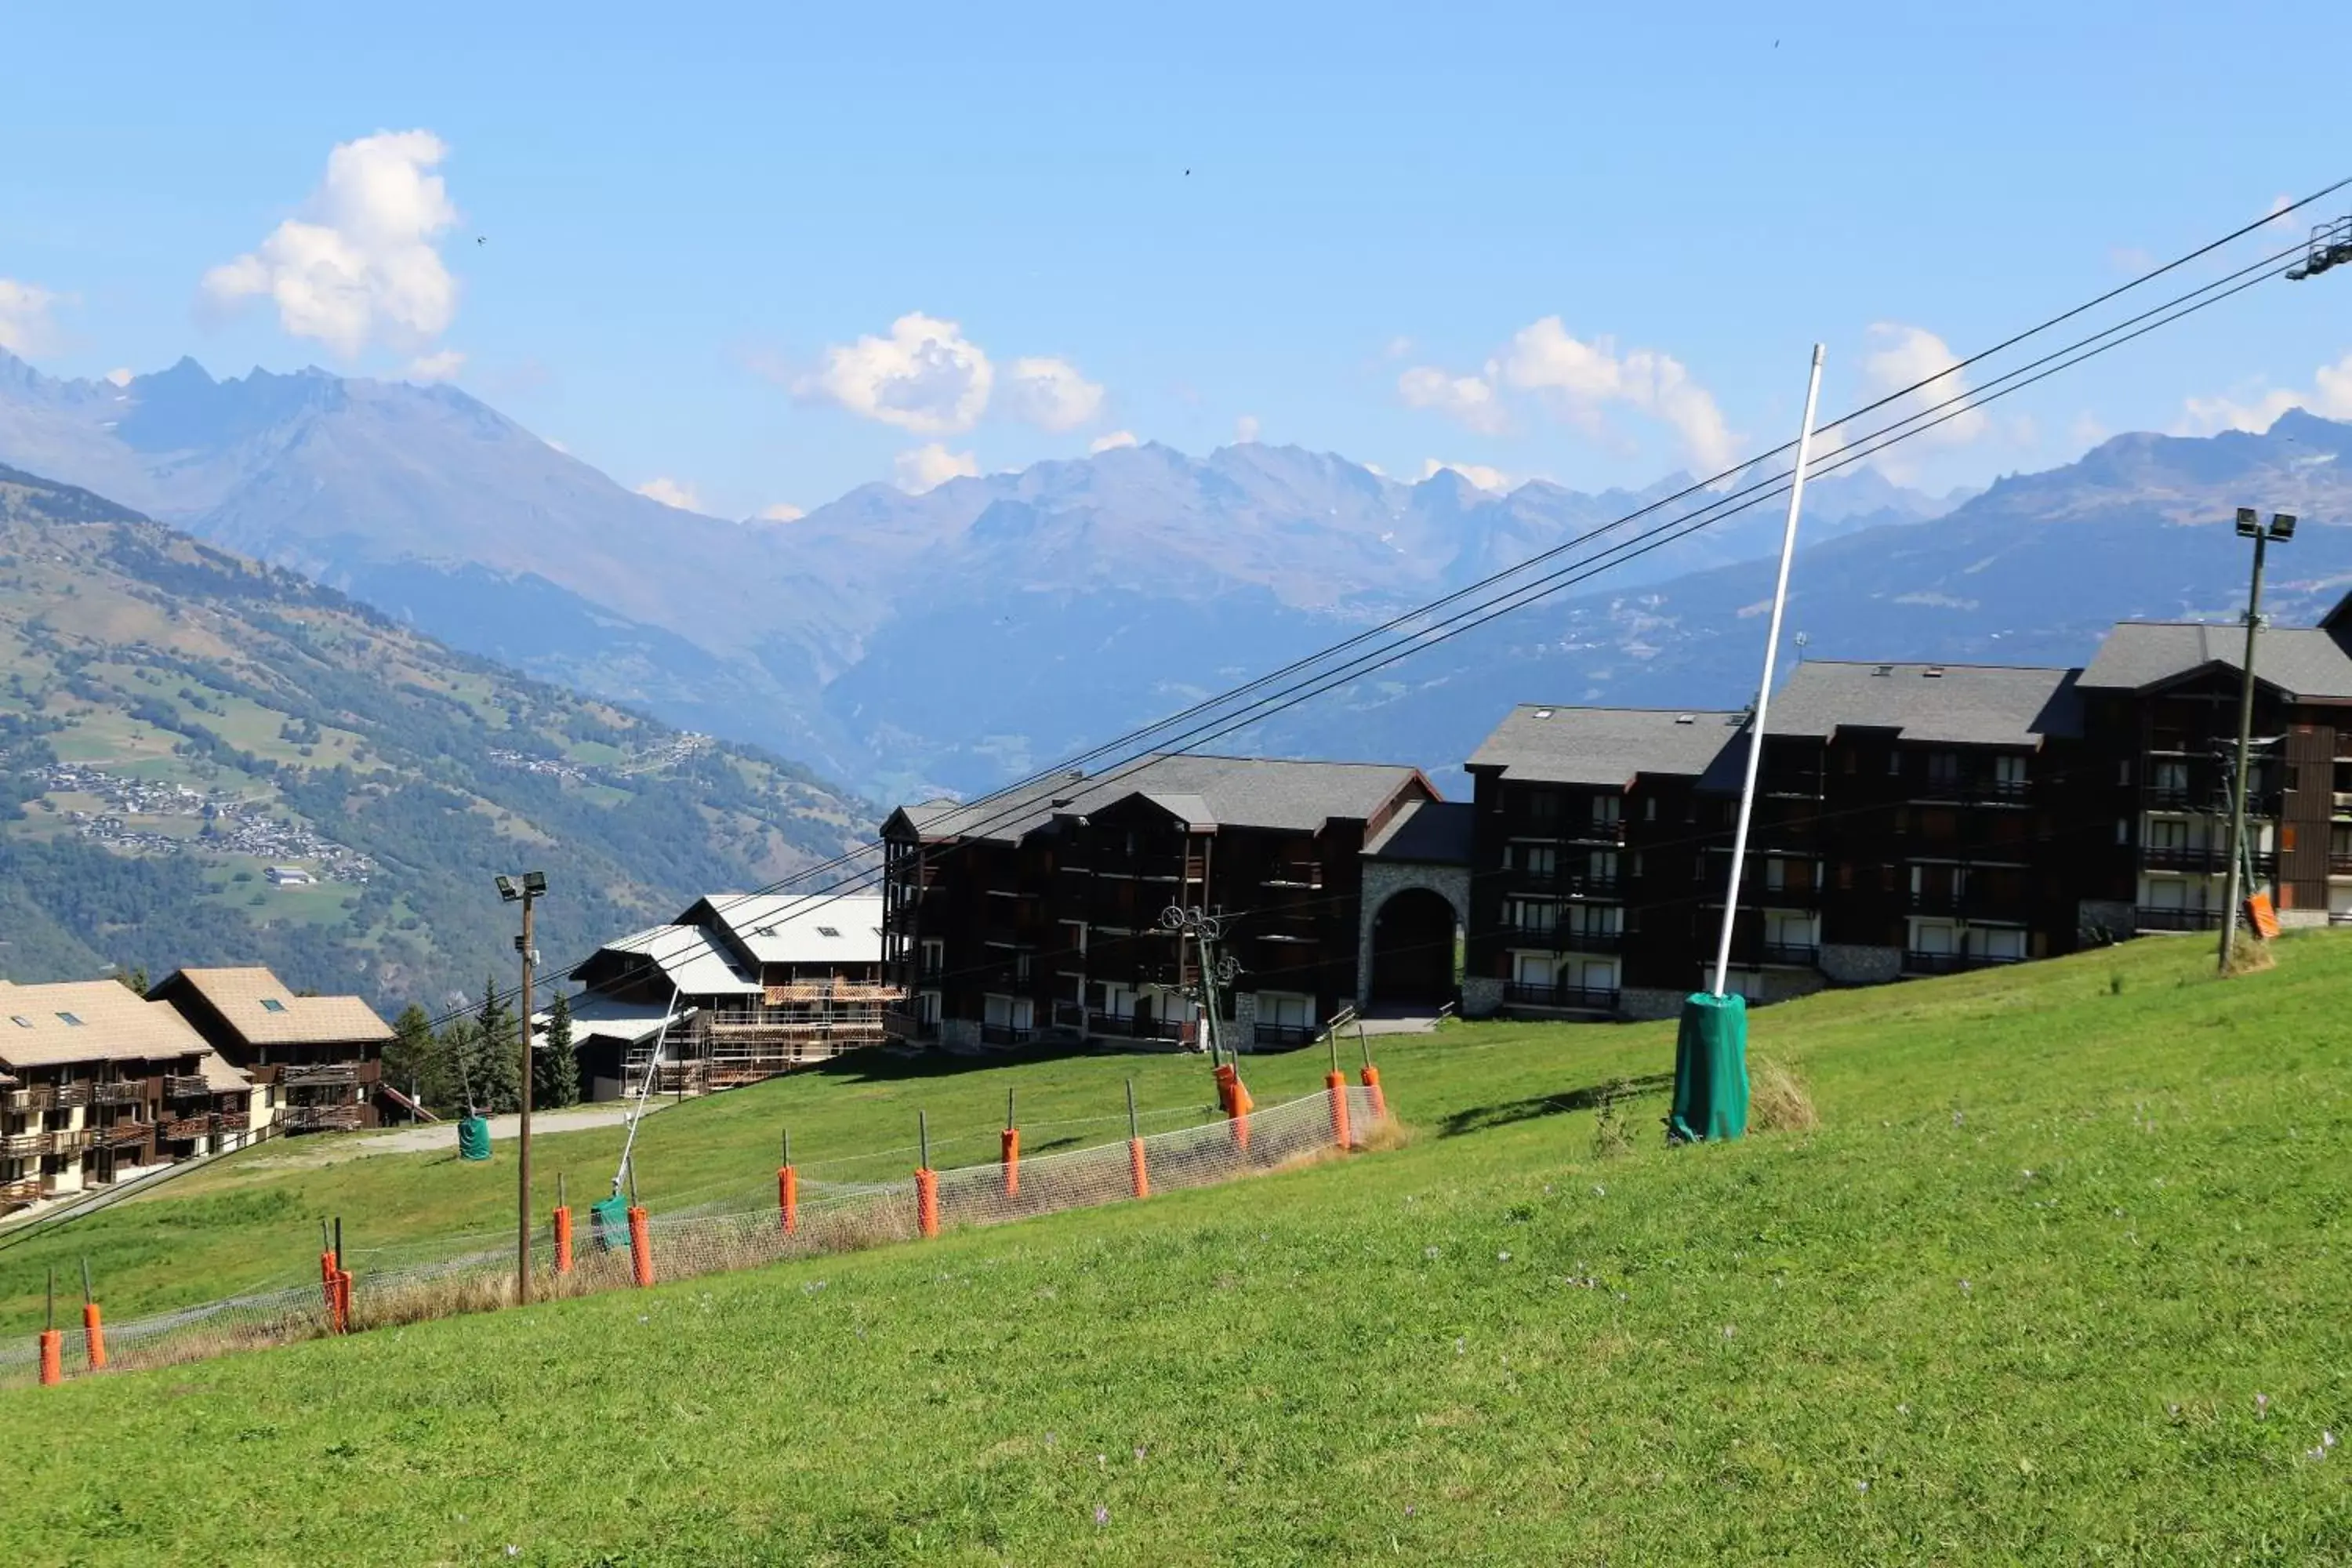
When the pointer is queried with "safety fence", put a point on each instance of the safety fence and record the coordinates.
(615, 1246)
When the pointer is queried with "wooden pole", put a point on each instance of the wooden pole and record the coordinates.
(522, 1156)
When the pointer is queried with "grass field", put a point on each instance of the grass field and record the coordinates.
(2061, 1278)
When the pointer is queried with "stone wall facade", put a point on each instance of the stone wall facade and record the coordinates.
(1482, 997)
(2116, 918)
(1849, 964)
(1649, 1002)
(1383, 880)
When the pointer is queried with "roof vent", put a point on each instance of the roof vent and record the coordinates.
(1685, 718)
(1881, 670)
(1543, 712)
(1062, 801)
(1932, 673)
(828, 931)
(1075, 774)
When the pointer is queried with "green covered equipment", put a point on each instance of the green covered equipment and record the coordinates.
(1710, 1071)
(474, 1138)
(608, 1223)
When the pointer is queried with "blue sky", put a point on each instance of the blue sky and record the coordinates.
(1592, 248)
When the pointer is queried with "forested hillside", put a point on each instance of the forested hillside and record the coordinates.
(206, 761)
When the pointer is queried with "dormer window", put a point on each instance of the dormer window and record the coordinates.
(69, 1020)
(21, 1021)
(272, 1004)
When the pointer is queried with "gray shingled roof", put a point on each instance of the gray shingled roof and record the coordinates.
(2303, 661)
(1605, 746)
(1961, 704)
(1233, 791)
(1426, 833)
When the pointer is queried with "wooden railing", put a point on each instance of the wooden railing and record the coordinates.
(186, 1086)
(118, 1093)
(318, 1075)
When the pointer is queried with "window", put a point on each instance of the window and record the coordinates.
(2172, 776)
(828, 931)
(70, 1020)
(1650, 809)
(2009, 771)
(2165, 832)
(272, 1004)
(1943, 767)
(1894, 764)
(21, 1021)
(1606, 809)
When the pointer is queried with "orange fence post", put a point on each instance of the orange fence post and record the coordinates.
(53, 1356)
(342, 1300)
(1379, 1101)
(788, 1198)
(1010, 1154)
(926, 1200)
(641, 1248)
(926, 1181)
(93, 1331)
(563, 1239)
(1336, 1082)
(1140, 1177)
(1239, 1110)
(1227, 1078)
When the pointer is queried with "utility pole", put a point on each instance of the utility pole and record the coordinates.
(534, 884)
(2281, 528)
(1204, 927)
(1764, 691)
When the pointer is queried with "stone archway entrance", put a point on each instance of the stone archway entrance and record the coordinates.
(1413, 950)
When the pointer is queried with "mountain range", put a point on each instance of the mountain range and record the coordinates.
(205, 760)
(951, 639)
(855, 638)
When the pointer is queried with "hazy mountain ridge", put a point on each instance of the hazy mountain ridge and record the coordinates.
(1016, 614)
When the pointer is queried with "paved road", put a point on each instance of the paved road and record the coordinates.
(434, 1137)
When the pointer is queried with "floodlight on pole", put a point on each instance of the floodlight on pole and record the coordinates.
(2281, 528)
(534, 888)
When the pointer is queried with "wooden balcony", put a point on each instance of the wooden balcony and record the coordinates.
(24, 1190)
(319, 1075)
(185, 1127)
(186, 1086)
(40, 1097)
(129, 1092)
(318, 1117)
(122, 1132)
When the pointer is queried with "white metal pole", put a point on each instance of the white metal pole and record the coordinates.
(1764, 691)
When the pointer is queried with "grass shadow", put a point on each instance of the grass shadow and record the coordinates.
(1484, 1118)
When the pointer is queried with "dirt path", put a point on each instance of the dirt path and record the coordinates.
(436, 1136)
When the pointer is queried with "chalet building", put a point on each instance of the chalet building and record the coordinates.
(2161, 704)
(1910, 819)
(1041, 911)
(315, 1062)
(98, 1084)
(1587, 860)
(739, 987)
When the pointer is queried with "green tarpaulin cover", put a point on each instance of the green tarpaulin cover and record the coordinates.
(1710, 1070)
(474, 1138)
(608, 1222)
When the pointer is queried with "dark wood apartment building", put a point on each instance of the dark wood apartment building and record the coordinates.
(315, 1061)
(96, 1083)
(1910, 819)
(739, 987)
(2161, 704)
(1042, 910)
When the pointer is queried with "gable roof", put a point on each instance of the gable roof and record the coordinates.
(116, 1025)
(1960, 704)
(792, 928)
(2304, 662)
(1426, 833)
(1206, 791)
(1609, 747)
(688, 956)
(255, 1003)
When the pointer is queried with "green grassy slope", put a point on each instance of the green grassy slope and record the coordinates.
(136, 663)
(2015, 1301)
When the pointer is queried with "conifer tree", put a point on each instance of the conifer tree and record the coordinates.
(414, 1063)
(554, 1069)
(497, 1058)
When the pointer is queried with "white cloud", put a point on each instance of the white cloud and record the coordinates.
(671, 492)
(925, 376)
(1050, 394)
(1468, 399)
(24, 325)
(121, 375)
(1478, 474)
(1117, 438)
(1581, 383)
(2330, 397)
(1583, 379)
(927, 467)
(1245, 429)
(438, 366)
(360, 264)
(779, 512)
(2087, 431)
(1919, 371)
